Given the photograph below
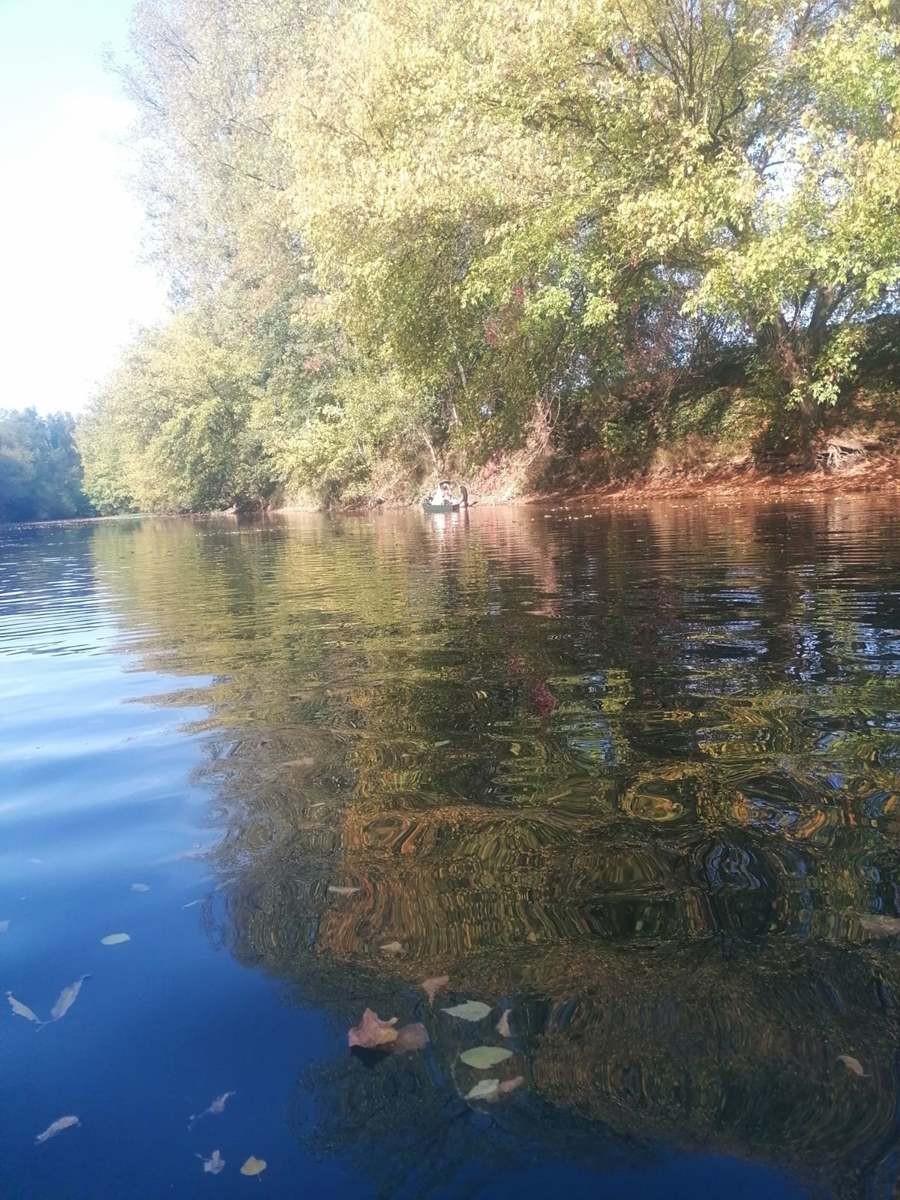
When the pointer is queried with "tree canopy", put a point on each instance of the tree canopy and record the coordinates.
(40, 470)
(418, 231)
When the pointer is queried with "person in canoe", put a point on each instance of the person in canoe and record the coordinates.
(442, 497)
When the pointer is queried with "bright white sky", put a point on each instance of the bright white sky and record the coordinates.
(72, 287)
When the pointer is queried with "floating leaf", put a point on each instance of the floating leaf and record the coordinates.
(410, 1038)
(431, 987)
(58, 1126)
(470, 1010)
(492, 1089)
(140, 887)
(67, 998)
(392, 948)
(485, 1089)
(852, 1064)
(484, 1057)
(372, 1032)
(214, 1164)
(217, 1107)
(22, 1010)
(4, 926)
(343, 891)
(115, 939)
(254, 1166)
(503, 1024)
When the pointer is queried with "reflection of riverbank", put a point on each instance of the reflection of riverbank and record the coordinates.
(633, 777)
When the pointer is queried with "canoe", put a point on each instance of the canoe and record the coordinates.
(453, 506)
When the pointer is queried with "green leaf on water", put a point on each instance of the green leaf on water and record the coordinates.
(483, 1057)
(485, 1089)
(469, 1010)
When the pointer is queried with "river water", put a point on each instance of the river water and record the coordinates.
(627, 778)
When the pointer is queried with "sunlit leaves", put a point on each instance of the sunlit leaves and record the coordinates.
(469, 1010)
(484, 1057)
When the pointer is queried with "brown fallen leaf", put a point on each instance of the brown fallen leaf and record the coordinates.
(852, 1064)
(492, 1090)
(22, 1010)
(391, 948)
(431, 987)
(67, 998)
(372, 1032)
(214, 1164)
(217, 1107)
(254, 1166)
(410, 1038)
(58, 1126)
(510, 1085)
(503, 1024)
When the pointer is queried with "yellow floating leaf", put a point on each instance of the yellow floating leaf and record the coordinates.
(852, 1064)
(484, 1057)
(254, 1166)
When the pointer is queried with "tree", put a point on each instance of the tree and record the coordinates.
(40, 470)
(173, 429)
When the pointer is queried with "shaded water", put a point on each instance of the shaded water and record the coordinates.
(630, 776)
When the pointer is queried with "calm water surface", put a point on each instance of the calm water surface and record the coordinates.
(630, 777)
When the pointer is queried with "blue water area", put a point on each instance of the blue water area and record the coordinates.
(627, 778)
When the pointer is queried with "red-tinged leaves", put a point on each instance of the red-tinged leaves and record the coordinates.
(510, 1085)
(431, 987)
(372, 1033)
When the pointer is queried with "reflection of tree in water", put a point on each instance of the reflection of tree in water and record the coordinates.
(670, 875)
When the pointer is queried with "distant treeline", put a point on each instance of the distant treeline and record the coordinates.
(40, 469)
(404, 235)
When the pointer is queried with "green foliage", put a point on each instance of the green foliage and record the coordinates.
(833, 370)
(429, 230)
(173, 431)
(40, 470)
